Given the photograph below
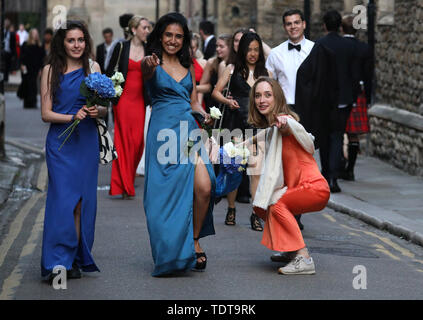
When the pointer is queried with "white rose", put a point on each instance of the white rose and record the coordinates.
(118, 90)
(230, 149)
(243, 152)
(215, 113)
(118, 78)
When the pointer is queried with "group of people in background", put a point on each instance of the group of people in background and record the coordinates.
(301, 92)
(25, 51)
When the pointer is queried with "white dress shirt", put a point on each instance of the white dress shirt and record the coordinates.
(23, 36)
(284, 64)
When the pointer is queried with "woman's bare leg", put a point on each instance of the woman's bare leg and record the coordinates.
(202, 191)
(77, 219)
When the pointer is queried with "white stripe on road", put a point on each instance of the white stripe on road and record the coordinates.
(14, 280)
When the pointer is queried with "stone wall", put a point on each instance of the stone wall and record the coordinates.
(399, 86)
(399, 58)
(397, 137)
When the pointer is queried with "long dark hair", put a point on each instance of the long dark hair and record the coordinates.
(57, 58)
(232, 54)
(241, 63)
(154, 44)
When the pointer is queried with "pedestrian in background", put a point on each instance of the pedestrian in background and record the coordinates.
(103, 48)
(101, 54)
(213, 69)
(48, 35)
(299, 187)
(123, 22)
(32, 61)
(209, 40)
(129, 109)
(249, 66)
(358, 122)
(9, 49)
(23, 34)
(198, 62)
(345, 53)
(71, 204)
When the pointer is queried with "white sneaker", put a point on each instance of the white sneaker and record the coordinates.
(298, 266)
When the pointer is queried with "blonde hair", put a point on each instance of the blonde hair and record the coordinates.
(134, 23)
(32, 39)
(258, 120)
(197, 39)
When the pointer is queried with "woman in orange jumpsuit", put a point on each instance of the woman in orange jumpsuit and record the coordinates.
(305, 189)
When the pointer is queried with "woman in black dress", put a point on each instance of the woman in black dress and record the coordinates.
(32, 60)
(248, 66)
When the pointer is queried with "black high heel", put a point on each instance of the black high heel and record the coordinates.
(230, 217)
(255, 223)
(200, 266)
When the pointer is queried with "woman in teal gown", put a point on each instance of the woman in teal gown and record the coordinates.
(71, 203)
(178, 193)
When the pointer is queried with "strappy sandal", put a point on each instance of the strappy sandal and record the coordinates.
(230, 217)
(200, 265)
(255, 223)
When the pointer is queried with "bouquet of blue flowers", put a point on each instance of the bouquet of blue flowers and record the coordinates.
(99, 90)
(233, 161)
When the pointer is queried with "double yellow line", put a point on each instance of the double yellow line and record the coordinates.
(12, 282)
(379, 247)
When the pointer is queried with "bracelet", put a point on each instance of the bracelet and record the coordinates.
(73, 118)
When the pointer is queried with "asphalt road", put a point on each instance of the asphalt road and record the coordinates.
(353, 260)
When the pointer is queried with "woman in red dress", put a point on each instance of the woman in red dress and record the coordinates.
(198, 62)
(129, 112)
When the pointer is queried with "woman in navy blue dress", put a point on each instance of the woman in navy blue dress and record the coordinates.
(178, 192)
(73, 170)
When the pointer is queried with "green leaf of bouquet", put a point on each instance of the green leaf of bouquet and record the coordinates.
(100, 101)
(83, 89)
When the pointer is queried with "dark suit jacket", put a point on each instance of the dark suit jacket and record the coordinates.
(365, 72)
(100, 56)
(317, 91)
(122, 65)
(346, 63)
(12, 42)
(210, 49)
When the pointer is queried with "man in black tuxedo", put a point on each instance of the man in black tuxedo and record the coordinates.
(346, 64)
(101, 54)
(103, 48)
(209, 40)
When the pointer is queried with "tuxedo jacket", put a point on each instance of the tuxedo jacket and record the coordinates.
(12, 42)
(100, 56)
(346, 63)
(317, 92)
(122, 65)
(210, 49)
